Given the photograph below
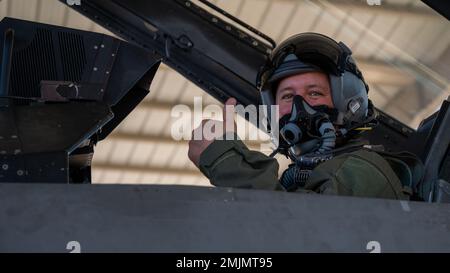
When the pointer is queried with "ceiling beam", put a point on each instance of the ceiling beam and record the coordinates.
(159, 105)
(397, 10)
(145, 169)
(377, 72)
(380, 73)
(252, 145)
(436, 89)
(145, 138)
(431, 108)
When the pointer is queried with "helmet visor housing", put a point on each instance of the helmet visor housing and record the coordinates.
(310, 48)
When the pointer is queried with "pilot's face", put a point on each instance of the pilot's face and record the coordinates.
(314, 87)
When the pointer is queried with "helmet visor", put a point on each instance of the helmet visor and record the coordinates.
(311, 48)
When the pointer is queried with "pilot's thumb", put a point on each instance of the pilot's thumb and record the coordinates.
(228, 115)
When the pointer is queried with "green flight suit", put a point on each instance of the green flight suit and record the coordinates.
(363, 173)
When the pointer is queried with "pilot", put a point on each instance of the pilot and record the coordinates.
(324, 108)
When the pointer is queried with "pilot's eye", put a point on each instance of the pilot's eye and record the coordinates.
(287, 96)
(315, 94)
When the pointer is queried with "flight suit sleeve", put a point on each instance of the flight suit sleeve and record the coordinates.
(229, 163)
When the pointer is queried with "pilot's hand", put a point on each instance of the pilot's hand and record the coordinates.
(214, 129)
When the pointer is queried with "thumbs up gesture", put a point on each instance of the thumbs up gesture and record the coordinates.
(209, 130)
